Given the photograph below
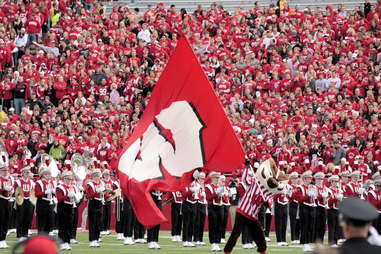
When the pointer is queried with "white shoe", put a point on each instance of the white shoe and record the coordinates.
(73, 241)
(191, 244)
(29, 232)
(157, 246)
(102, 233)
(223, 240)
(2, 244)
(100, 240)
(97, 244)
(179, 238)
(68, 247)
(252, 246)
(92, 244)
(280, 243)
(307, 248)
(218, 248)
(22, 239)
(285, 243)
(128, 241)
(245, 246)
(151, 245)
(185, 244)
(267, 239)
(119, 236)
(55, 231)
(340, 241)
(63, 246)
(51, 233)
(174, 238)
(334, 246)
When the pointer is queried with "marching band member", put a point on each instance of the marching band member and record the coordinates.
(153, 233)
(66, 198)
(374, 197)
(213, 195)
(321, 206)
(176, 216)
(200, 211)
(353, 188)
(78, 190)
(306, 195)
(44, 190)
(188, 210)
(24, 212)
(294, 210)
(280, 214)
(335, 195)
(6, 190)
(107, 207)
(225, 206)
(95, 189)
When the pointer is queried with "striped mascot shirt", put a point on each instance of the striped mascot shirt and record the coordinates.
(253, 199)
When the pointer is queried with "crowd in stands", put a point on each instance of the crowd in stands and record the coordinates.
(302, 85)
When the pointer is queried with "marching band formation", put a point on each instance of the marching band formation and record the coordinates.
(309, 201)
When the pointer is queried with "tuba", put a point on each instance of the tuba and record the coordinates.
(78, 165)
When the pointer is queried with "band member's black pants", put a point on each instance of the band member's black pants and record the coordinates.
(24, 215)
(294, 222)
(176, 219)
(119, 223)
(95, 210)
(106, 216)
(65, 221)
(139, 230)
(75, 222)
(333, 226)
(5, 212)
(255, 229)
(153, 233)
(214, 221)
(200, 222)
(128, 218)
(321, 218)
(44, 211)
(224, 222)
(280, 214)
(246, 235)
(12, 216)
(307, 223)
(189, 213)
(265, 219)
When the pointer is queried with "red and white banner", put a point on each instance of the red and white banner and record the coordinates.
(184, 127)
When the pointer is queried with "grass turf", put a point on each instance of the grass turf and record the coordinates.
(110, 245)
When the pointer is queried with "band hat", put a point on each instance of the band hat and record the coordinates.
(44, 170)
(307, 173)
(355, 173)
(214, 174)
(334, 178)
(319, 175)
(294, 175)
(66, 174)
(345, 174)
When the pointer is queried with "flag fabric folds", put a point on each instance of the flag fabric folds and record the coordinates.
(184, 127)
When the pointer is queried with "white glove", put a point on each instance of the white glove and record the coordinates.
(100, 189)
(220, 190)
(71, 194)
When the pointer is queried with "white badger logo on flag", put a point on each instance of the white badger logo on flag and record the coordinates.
(173, 140)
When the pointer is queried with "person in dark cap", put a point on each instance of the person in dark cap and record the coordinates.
(356, 218)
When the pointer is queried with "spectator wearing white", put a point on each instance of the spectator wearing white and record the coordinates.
(334, 81)
(145, 33)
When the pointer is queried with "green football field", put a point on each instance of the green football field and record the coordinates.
(110, 245)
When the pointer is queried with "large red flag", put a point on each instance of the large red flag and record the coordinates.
(184, 127)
